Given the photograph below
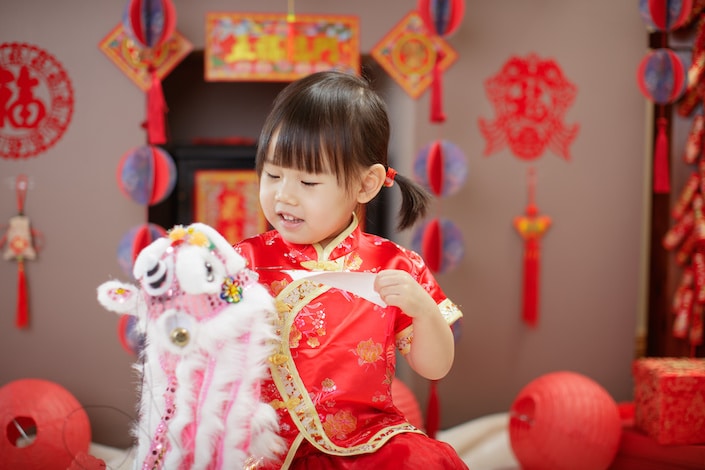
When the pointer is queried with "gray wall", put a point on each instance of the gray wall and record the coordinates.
(593, 269)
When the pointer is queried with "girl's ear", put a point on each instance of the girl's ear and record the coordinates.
(372, 181)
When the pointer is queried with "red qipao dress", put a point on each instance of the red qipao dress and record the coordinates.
(331, 378)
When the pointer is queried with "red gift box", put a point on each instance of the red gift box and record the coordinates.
(669, 399)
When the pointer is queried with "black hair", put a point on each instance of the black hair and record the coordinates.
(334, 122)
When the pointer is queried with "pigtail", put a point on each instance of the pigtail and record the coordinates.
(414, 201)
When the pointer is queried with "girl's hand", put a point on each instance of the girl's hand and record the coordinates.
(432, 348)
(399, 289)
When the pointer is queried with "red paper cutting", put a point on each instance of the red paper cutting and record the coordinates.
(530, 97)
(36, 100)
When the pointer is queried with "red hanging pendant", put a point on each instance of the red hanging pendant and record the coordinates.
(20, 248)
(531, 227)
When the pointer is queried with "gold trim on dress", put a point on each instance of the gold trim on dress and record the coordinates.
(294, 395)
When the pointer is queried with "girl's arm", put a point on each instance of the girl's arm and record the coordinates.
(432, 347)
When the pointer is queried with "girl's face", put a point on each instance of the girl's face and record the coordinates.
(305, 208)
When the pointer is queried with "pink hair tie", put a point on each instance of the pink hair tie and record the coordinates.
(389, 179)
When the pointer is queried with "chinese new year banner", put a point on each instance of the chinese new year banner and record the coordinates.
(272, 47)
(228, 200)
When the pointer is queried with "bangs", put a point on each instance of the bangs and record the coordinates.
(304, 148)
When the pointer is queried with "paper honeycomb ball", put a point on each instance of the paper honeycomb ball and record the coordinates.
(564, 421)
(441, 167)
(133, 241)
(440, 243)
(146, 174)
(149, 22)
(43, 425)
(662, 76)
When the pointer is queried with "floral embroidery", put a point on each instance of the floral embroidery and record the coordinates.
(368, 352)
(403, 343)
(309, 324)
(328, 385)
(277, 286)
(340, 424)
(294, 337)
(353, 261)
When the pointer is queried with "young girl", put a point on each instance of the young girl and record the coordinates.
(322, 155)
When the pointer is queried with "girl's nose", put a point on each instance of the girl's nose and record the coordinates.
(285, 194)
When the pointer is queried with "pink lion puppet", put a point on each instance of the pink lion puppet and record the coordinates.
(208, 328)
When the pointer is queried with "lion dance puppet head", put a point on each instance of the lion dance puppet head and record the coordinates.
(208, 326)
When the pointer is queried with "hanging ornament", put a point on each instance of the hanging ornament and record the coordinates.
(665, 15)
(151, 23)
(441, 167)
(531, 227)
(442, 18)
(661, 76)
(20, 247)
(440, 243)
(146, 174)
(408, 54)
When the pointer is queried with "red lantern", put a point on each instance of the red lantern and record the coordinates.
(442, 18)
(43, 425)
(564, 421)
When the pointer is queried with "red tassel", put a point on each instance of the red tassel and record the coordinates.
(156, 109)
(22, 319)
(433, 411)
(661, 179)
(532, 256)
(437, 114)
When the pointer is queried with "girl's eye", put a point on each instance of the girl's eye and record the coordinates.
(308, 183)
(269, 175)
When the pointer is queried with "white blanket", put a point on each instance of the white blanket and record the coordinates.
(482, 443)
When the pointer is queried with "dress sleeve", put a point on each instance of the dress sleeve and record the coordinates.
(423, 275)
(450, 311)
